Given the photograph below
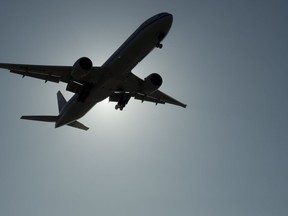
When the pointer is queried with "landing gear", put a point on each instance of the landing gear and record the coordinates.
(117, 106)
(160, 38)
(159, 45)
(121, 99)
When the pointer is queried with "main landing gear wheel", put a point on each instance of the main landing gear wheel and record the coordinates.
(119, 107)
(122, 100)
(159, 45)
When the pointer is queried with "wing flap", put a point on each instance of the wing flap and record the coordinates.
(167, 99)
(44, 72)
(148, 98)
(45, 77)
(53, 73)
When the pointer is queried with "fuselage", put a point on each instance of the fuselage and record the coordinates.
(127, 56)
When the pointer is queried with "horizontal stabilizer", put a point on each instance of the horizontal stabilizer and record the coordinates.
(41, 118)
(78, 125)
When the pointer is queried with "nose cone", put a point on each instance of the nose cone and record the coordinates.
(164, 14)
(167, 17)
(165, 23)
(165, 20)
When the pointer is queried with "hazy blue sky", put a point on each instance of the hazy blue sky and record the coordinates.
(225, 154)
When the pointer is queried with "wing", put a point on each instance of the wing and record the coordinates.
(51, 73)
(132, 84)
(159, 97)
(47, 73)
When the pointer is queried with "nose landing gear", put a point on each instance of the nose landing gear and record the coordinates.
(159, 45)
(160, 38)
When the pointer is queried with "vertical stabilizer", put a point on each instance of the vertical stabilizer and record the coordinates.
(61, 101)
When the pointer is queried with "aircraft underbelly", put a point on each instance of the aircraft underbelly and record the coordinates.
(135, 49)
(77, 109)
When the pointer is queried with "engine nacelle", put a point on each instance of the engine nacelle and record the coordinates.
(81, 68)
(151, 83)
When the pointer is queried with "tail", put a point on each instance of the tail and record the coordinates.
(61, 104)
(61, 101)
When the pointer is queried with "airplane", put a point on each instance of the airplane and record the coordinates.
(113, 79)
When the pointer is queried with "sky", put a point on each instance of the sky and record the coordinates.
(225, 154)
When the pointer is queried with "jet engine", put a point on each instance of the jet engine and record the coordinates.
(151, 83)
(81, 68)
